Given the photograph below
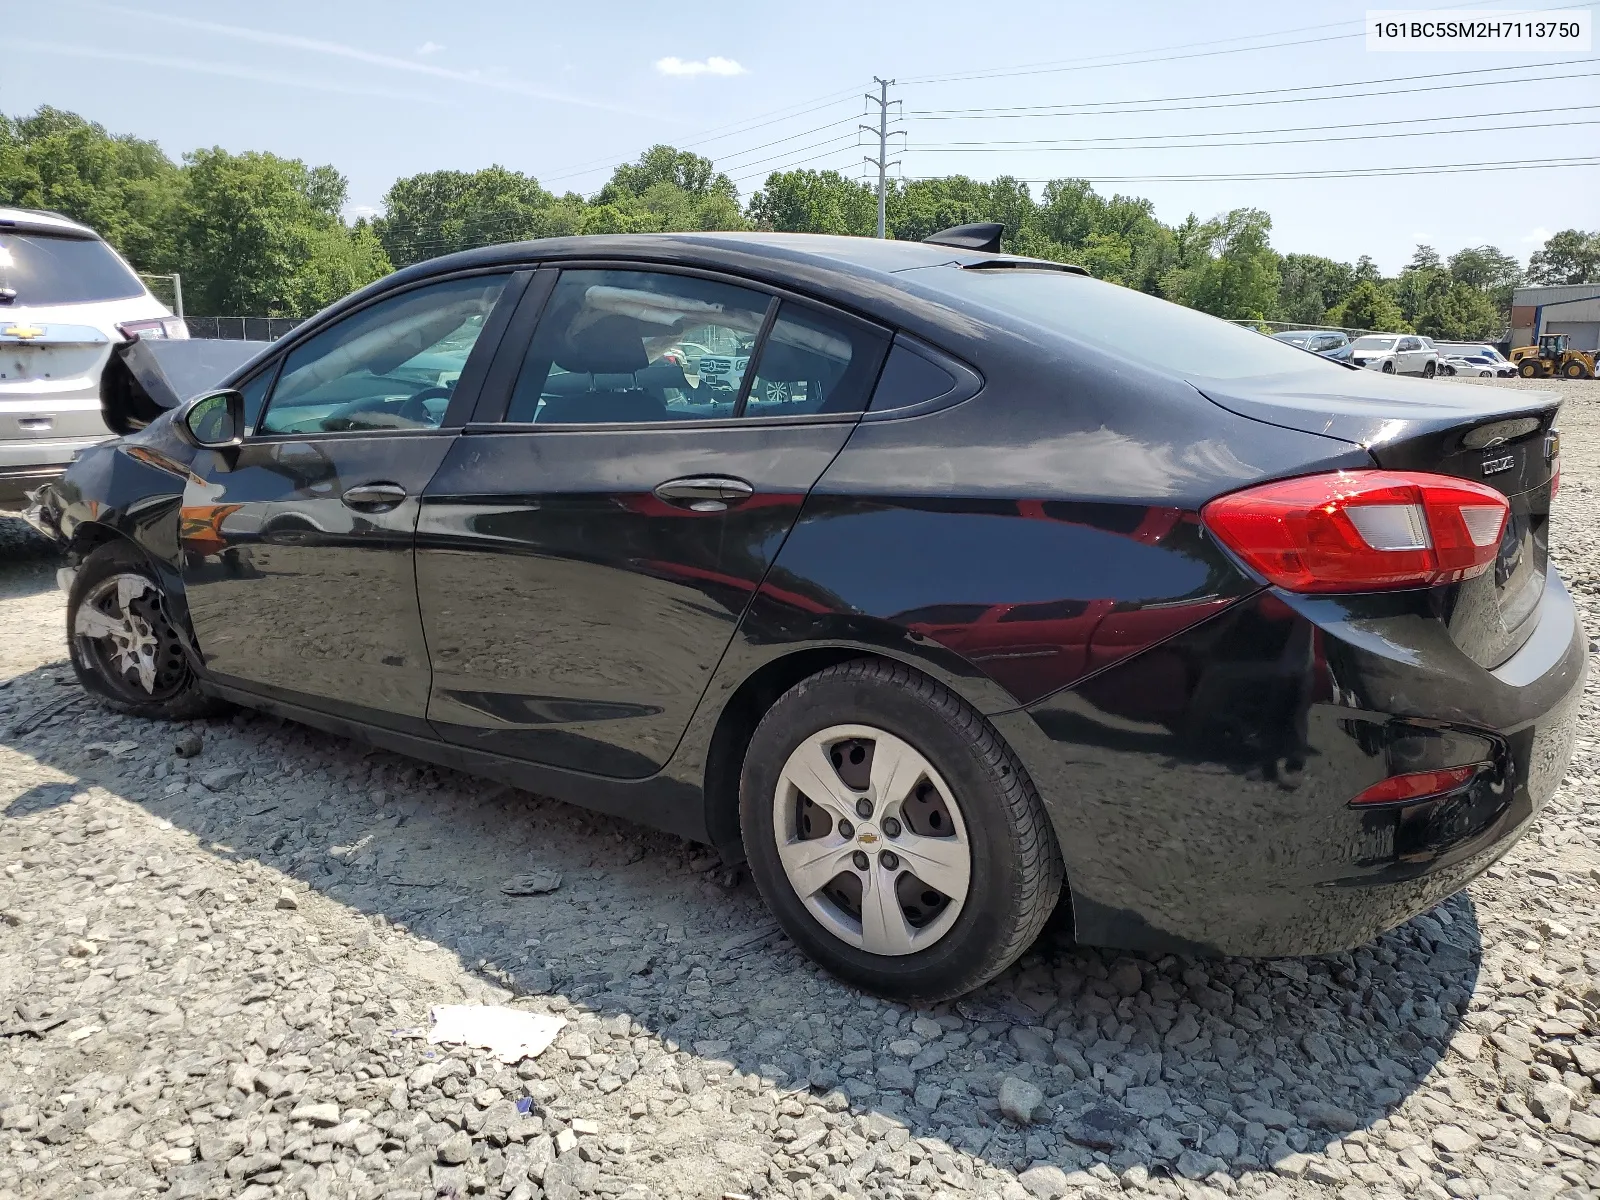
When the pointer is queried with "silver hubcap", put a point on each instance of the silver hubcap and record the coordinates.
(872, 839)
(107, 613)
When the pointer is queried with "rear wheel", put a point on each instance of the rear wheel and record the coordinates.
(123, 643)
(894, 835)
(1429, 370)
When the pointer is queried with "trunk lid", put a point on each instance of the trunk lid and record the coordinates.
(1500, 437)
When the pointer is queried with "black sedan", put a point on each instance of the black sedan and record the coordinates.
(941, 586)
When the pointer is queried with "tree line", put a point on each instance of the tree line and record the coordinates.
(258, 234)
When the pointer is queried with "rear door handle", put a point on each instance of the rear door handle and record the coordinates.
(374, 497)
(705, 493)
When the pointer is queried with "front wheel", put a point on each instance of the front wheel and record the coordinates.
(1429, 370)
(894, 835)
(124, 646)
(1527, 370)
(1574, 370)
(1388, 368)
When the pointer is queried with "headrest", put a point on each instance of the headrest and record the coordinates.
(609, 346)
(663, 373)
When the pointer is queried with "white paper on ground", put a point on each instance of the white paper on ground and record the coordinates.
(510, 1034)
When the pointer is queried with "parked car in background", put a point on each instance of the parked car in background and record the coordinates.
(1395, 354)
(989, 580)
(1329, 344)
(65, 299)
(1477, 357)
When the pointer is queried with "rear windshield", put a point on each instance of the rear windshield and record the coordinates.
(42, 269)
(1125, 322)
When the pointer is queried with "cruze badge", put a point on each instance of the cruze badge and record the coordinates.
(1493, 466)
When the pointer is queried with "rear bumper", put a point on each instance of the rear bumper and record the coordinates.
(1201, 791)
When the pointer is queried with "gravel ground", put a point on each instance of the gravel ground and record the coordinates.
(221, 942)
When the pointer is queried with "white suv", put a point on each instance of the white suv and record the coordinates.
(65, 298)
(1395, 354)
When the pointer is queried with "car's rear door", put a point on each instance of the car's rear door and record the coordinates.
(589, 543)
(298, 546)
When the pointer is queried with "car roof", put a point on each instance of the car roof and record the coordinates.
(790, 256)
(38, 220)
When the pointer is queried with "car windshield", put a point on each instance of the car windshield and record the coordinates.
(1375, 343)
(1123, 321)
(45, 269)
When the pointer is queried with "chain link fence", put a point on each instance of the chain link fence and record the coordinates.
(250, 329)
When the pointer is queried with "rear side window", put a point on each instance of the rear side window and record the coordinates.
(45, 269)
(811, 363)
(908, 378)
(637, 346)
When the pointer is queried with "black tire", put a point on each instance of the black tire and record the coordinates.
(1574, 370)
(1388, 368)
(1016, 867)
(1429, 370)
(1528, 371)
(175, 694)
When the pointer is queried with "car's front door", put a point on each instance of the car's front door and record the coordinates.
(298, 546)
(583, 556)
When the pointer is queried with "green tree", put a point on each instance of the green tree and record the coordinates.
(260, 235)
(664, 164)
(439, 212)
(1238, 276)
(814, 202)
(123, 187)
(923, 206)
(1571, 256)
(1369, 306)
(1309, 285)
(1458, 313)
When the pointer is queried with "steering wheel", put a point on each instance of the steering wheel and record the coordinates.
(415, 408)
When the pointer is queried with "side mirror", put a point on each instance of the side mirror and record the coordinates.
(212, 421)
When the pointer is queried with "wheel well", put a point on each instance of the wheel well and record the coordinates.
(740, 716)
(90, 536)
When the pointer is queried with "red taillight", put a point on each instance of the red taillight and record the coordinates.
(1362, 531)
(154, 327)
(1419, 785)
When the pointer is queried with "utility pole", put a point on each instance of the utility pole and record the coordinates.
(882, 161)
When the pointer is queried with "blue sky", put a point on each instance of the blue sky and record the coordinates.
(564, 91)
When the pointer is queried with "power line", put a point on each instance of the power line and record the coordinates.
(1027, 148)
(1097, 62)
(1117, 107)
(1351, 173)
(1512, 112)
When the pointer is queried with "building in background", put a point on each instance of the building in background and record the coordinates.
(1569, 308)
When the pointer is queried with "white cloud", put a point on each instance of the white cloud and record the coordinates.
(358, 54)
(428, 48)
(207, 67)
(710, 66)
(362, 210)
(1539, 236)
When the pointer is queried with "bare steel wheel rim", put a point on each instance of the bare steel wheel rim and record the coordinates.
(122, 625)
(872, 839)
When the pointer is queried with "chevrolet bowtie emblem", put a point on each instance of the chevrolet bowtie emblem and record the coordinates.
(866, 839)
(22, 331)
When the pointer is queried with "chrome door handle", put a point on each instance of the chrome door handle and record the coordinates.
(374, 497)
(705, 493)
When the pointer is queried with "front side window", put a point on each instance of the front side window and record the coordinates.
(813, 363)
(638, 346)
(392, 365)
